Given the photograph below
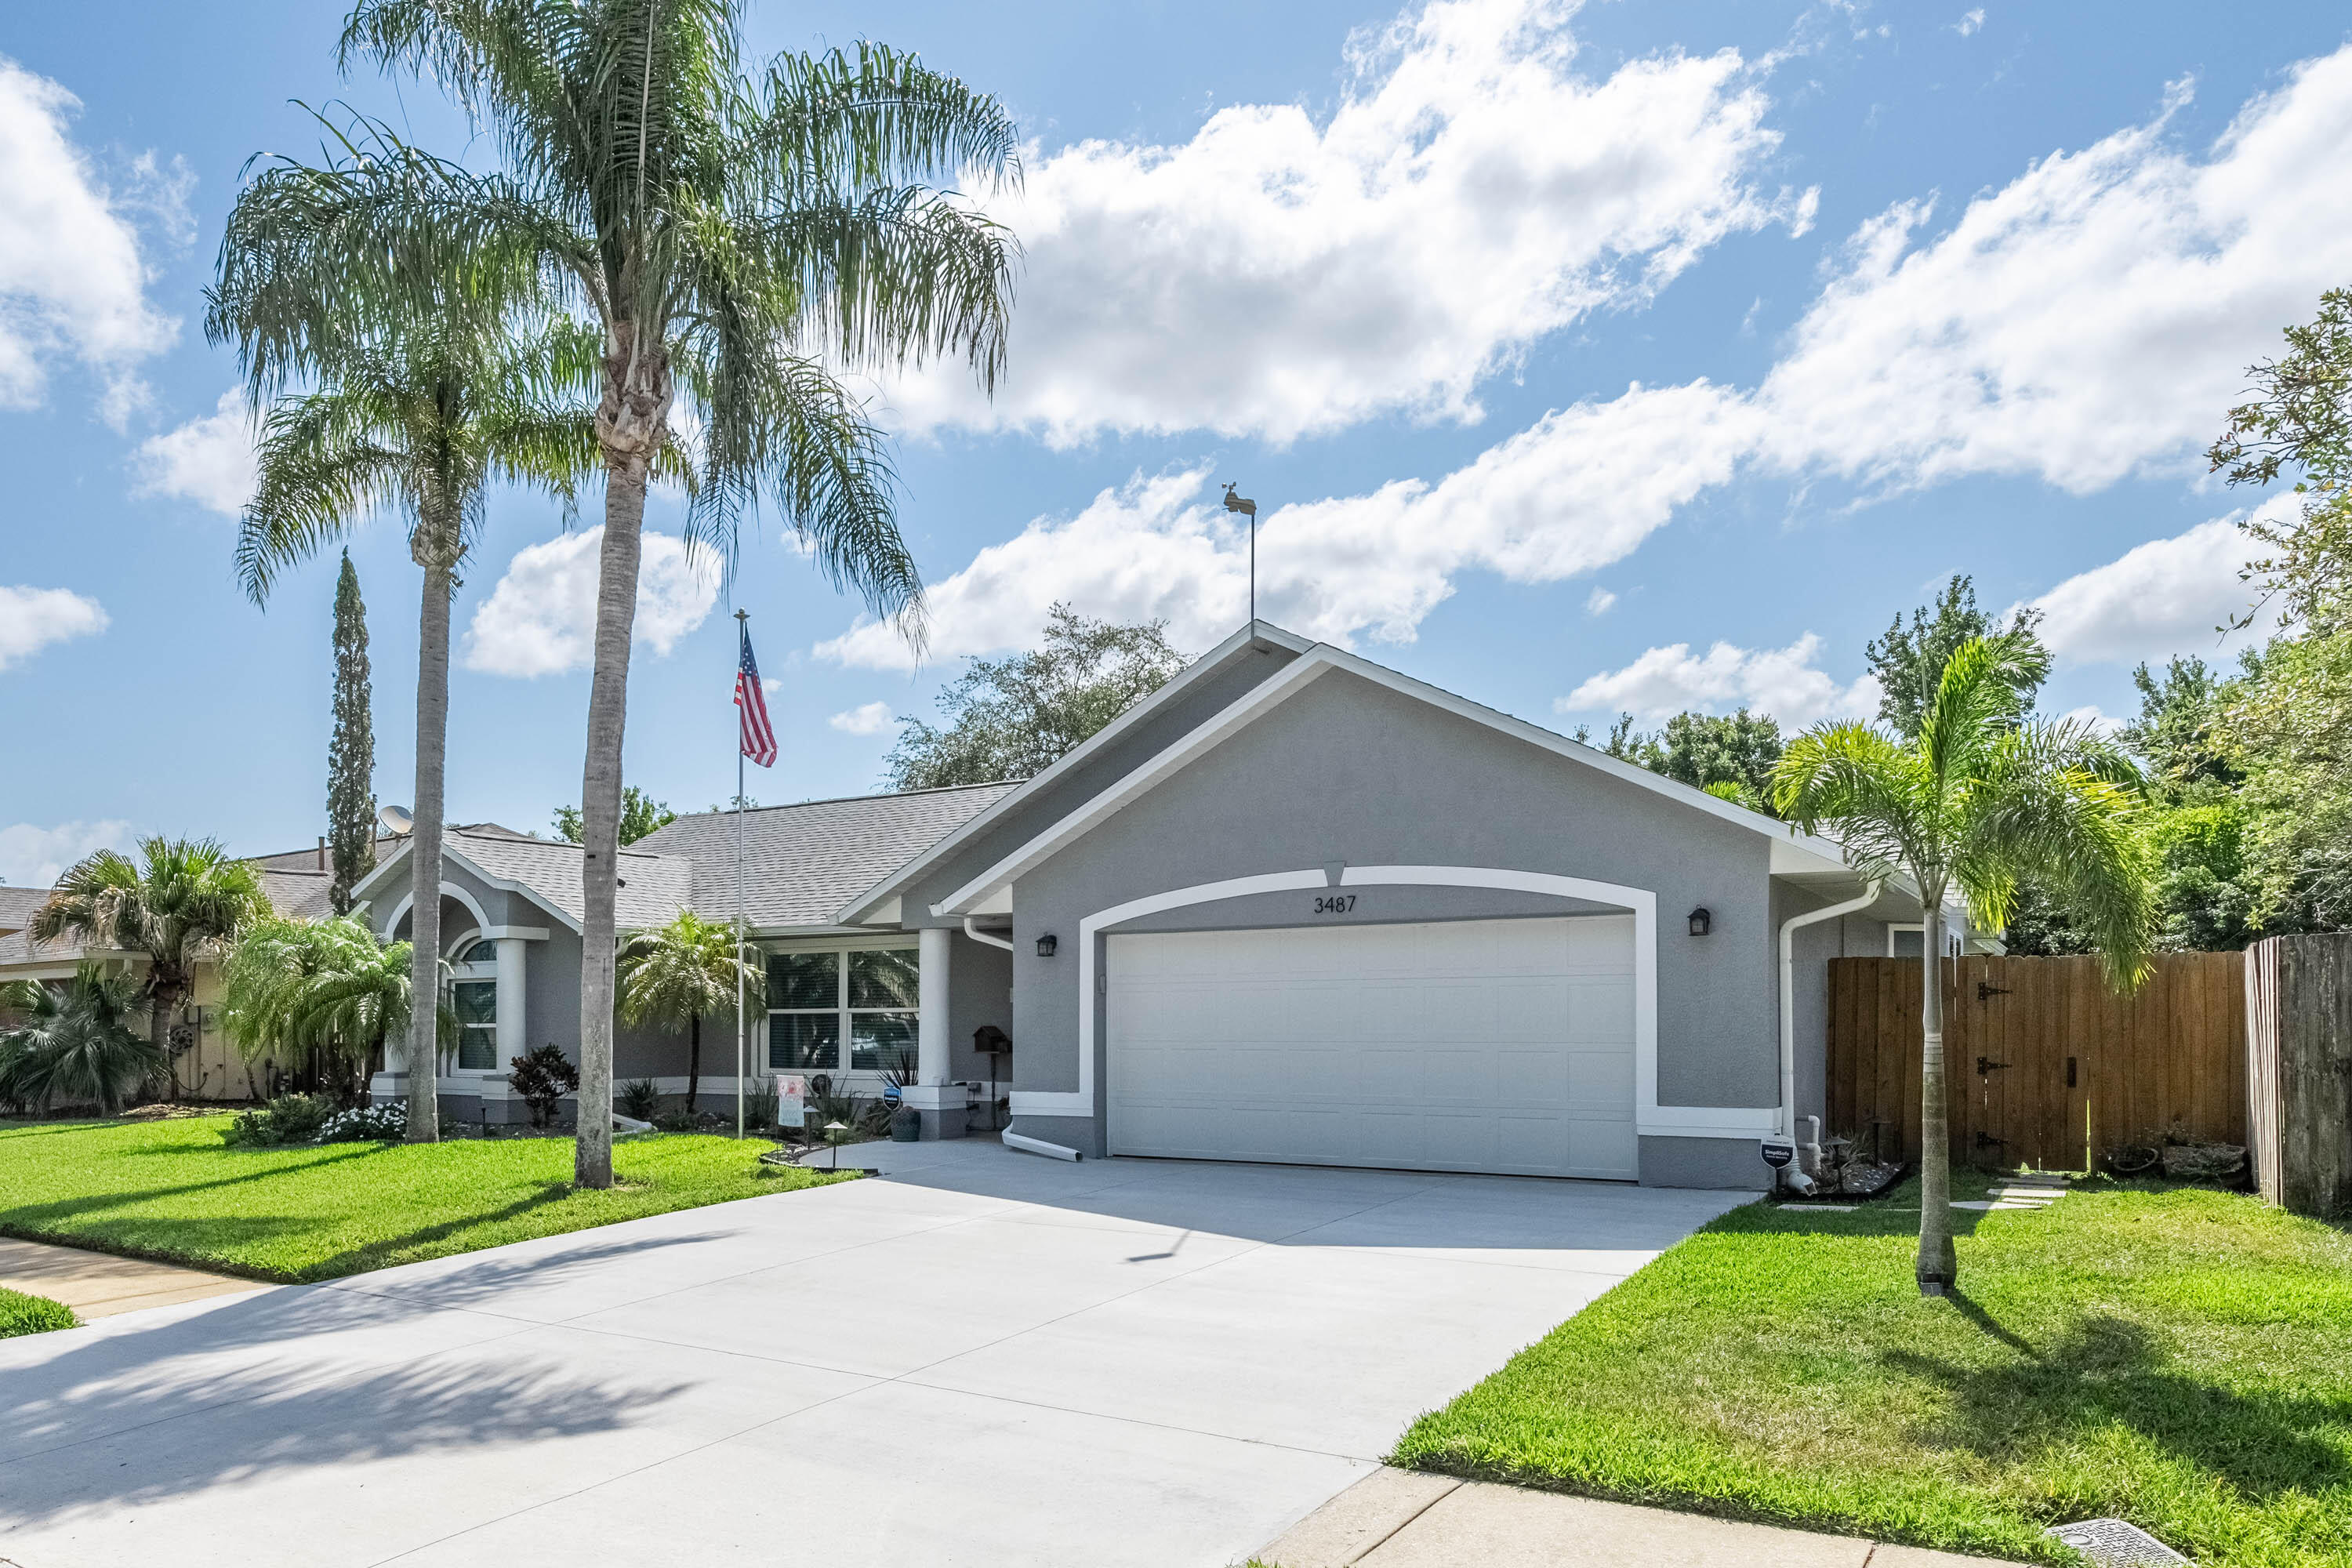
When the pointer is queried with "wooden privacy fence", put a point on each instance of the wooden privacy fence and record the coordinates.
(2299, 1059)
(2048, 1067)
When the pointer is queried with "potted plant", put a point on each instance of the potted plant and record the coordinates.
(906, 1121)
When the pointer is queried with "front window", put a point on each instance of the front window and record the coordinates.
(816, 1001)
(476, 1005)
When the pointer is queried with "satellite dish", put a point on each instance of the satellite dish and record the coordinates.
(397, 820)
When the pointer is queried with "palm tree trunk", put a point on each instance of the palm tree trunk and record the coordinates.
(693, 1060)
(425, 850)
(1938, 1267)
(163, 1001)
(600, 813)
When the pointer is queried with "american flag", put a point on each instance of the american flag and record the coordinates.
(759, 737)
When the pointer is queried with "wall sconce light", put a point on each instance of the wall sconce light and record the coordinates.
(1701, 922)
(1045, 945)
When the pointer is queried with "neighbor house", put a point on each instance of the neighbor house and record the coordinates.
(204, 1063)
(1292, 907)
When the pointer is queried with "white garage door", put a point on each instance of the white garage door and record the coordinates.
(1465, 1046)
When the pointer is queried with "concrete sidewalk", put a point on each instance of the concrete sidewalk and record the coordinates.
(1400, 1519)
(99, 1284)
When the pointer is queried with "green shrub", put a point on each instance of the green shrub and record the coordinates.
(640, 1098)
(289, 1118)
(23, 1314)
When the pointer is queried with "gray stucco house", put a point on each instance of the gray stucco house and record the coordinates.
(1294, 907)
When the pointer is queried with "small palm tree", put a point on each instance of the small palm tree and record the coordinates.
(739, 241)
(330, 987)
(182, 901)
(681, 974)
(421, 420)
(75, 1044)
(1982, 798)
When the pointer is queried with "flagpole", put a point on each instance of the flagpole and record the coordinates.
(742, 631)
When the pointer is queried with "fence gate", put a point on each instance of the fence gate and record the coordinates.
(2046, 1067)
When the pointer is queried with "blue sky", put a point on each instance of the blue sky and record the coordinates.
(1580, 358)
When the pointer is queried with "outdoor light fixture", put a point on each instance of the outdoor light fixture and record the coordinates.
(1701, 922)
(1046, 944)
(832, 1132)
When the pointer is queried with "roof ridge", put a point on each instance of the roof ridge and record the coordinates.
(844, 799)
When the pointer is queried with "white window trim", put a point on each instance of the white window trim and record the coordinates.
(1651, 1120)
(1954, 942)
(842, 1011)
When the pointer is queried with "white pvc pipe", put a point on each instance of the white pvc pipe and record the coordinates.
(993, 939)
(1789, 998)
(1029, 1145)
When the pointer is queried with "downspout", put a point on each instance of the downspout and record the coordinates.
(993, 939)
(1789, 998)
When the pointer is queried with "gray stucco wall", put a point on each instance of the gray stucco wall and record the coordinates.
(1211, 694)
(1348, 771)
(980, 991)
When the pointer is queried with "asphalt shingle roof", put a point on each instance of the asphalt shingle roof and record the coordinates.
(656, 887)
(804, 862)
(299, 894)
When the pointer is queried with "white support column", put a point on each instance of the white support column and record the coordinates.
(934, 1058)
(512, 1023)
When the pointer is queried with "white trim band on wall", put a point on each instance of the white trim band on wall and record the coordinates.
(1651, 1120)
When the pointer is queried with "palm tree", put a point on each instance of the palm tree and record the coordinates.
(1981, 798)
(295, 987)
(74, 1045)
(184, 900)
(677, 973)
(739, 241)
(421, 420)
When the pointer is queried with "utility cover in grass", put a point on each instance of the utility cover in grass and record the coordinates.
(2116, 1543)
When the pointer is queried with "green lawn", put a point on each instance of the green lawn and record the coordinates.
(172, 1189)
(2180, 1358)
(23, 1314)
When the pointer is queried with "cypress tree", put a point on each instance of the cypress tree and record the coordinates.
(351, 753)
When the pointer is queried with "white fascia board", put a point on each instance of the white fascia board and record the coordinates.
(1286, 682)
(1820, 854)
(862, 911)
(364, 890)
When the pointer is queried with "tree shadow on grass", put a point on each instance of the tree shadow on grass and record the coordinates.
(2108, 1369)
(389, 1250)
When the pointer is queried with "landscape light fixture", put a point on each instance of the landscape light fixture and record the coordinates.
(1701, 922)
(833, 1145)
(1046, 944)
(1245, 505)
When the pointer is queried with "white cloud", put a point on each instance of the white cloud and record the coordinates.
(1969, 22)
(1599, 601)
(33, 618)
(1578, 489)
(2087, 321)
(34, 856)
(72, 281)
(540, 618)
(208, 460)
(867, 719)
(1279, 276)
(2166, 596)
(1783, 682)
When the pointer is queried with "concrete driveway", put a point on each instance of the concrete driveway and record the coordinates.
(982, 1358)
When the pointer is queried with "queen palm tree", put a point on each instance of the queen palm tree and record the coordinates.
(330, 987)
(682, 973)
(421, 420)
(739, 241)
(74, 1043)
(182, 901)
(1980, 799)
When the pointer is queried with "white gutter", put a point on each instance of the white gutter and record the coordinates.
(1789, 998)
(990, 938)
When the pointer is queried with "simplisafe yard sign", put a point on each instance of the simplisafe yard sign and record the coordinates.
(1778, 1151)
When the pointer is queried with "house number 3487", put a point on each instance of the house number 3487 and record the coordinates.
(1337, 904)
